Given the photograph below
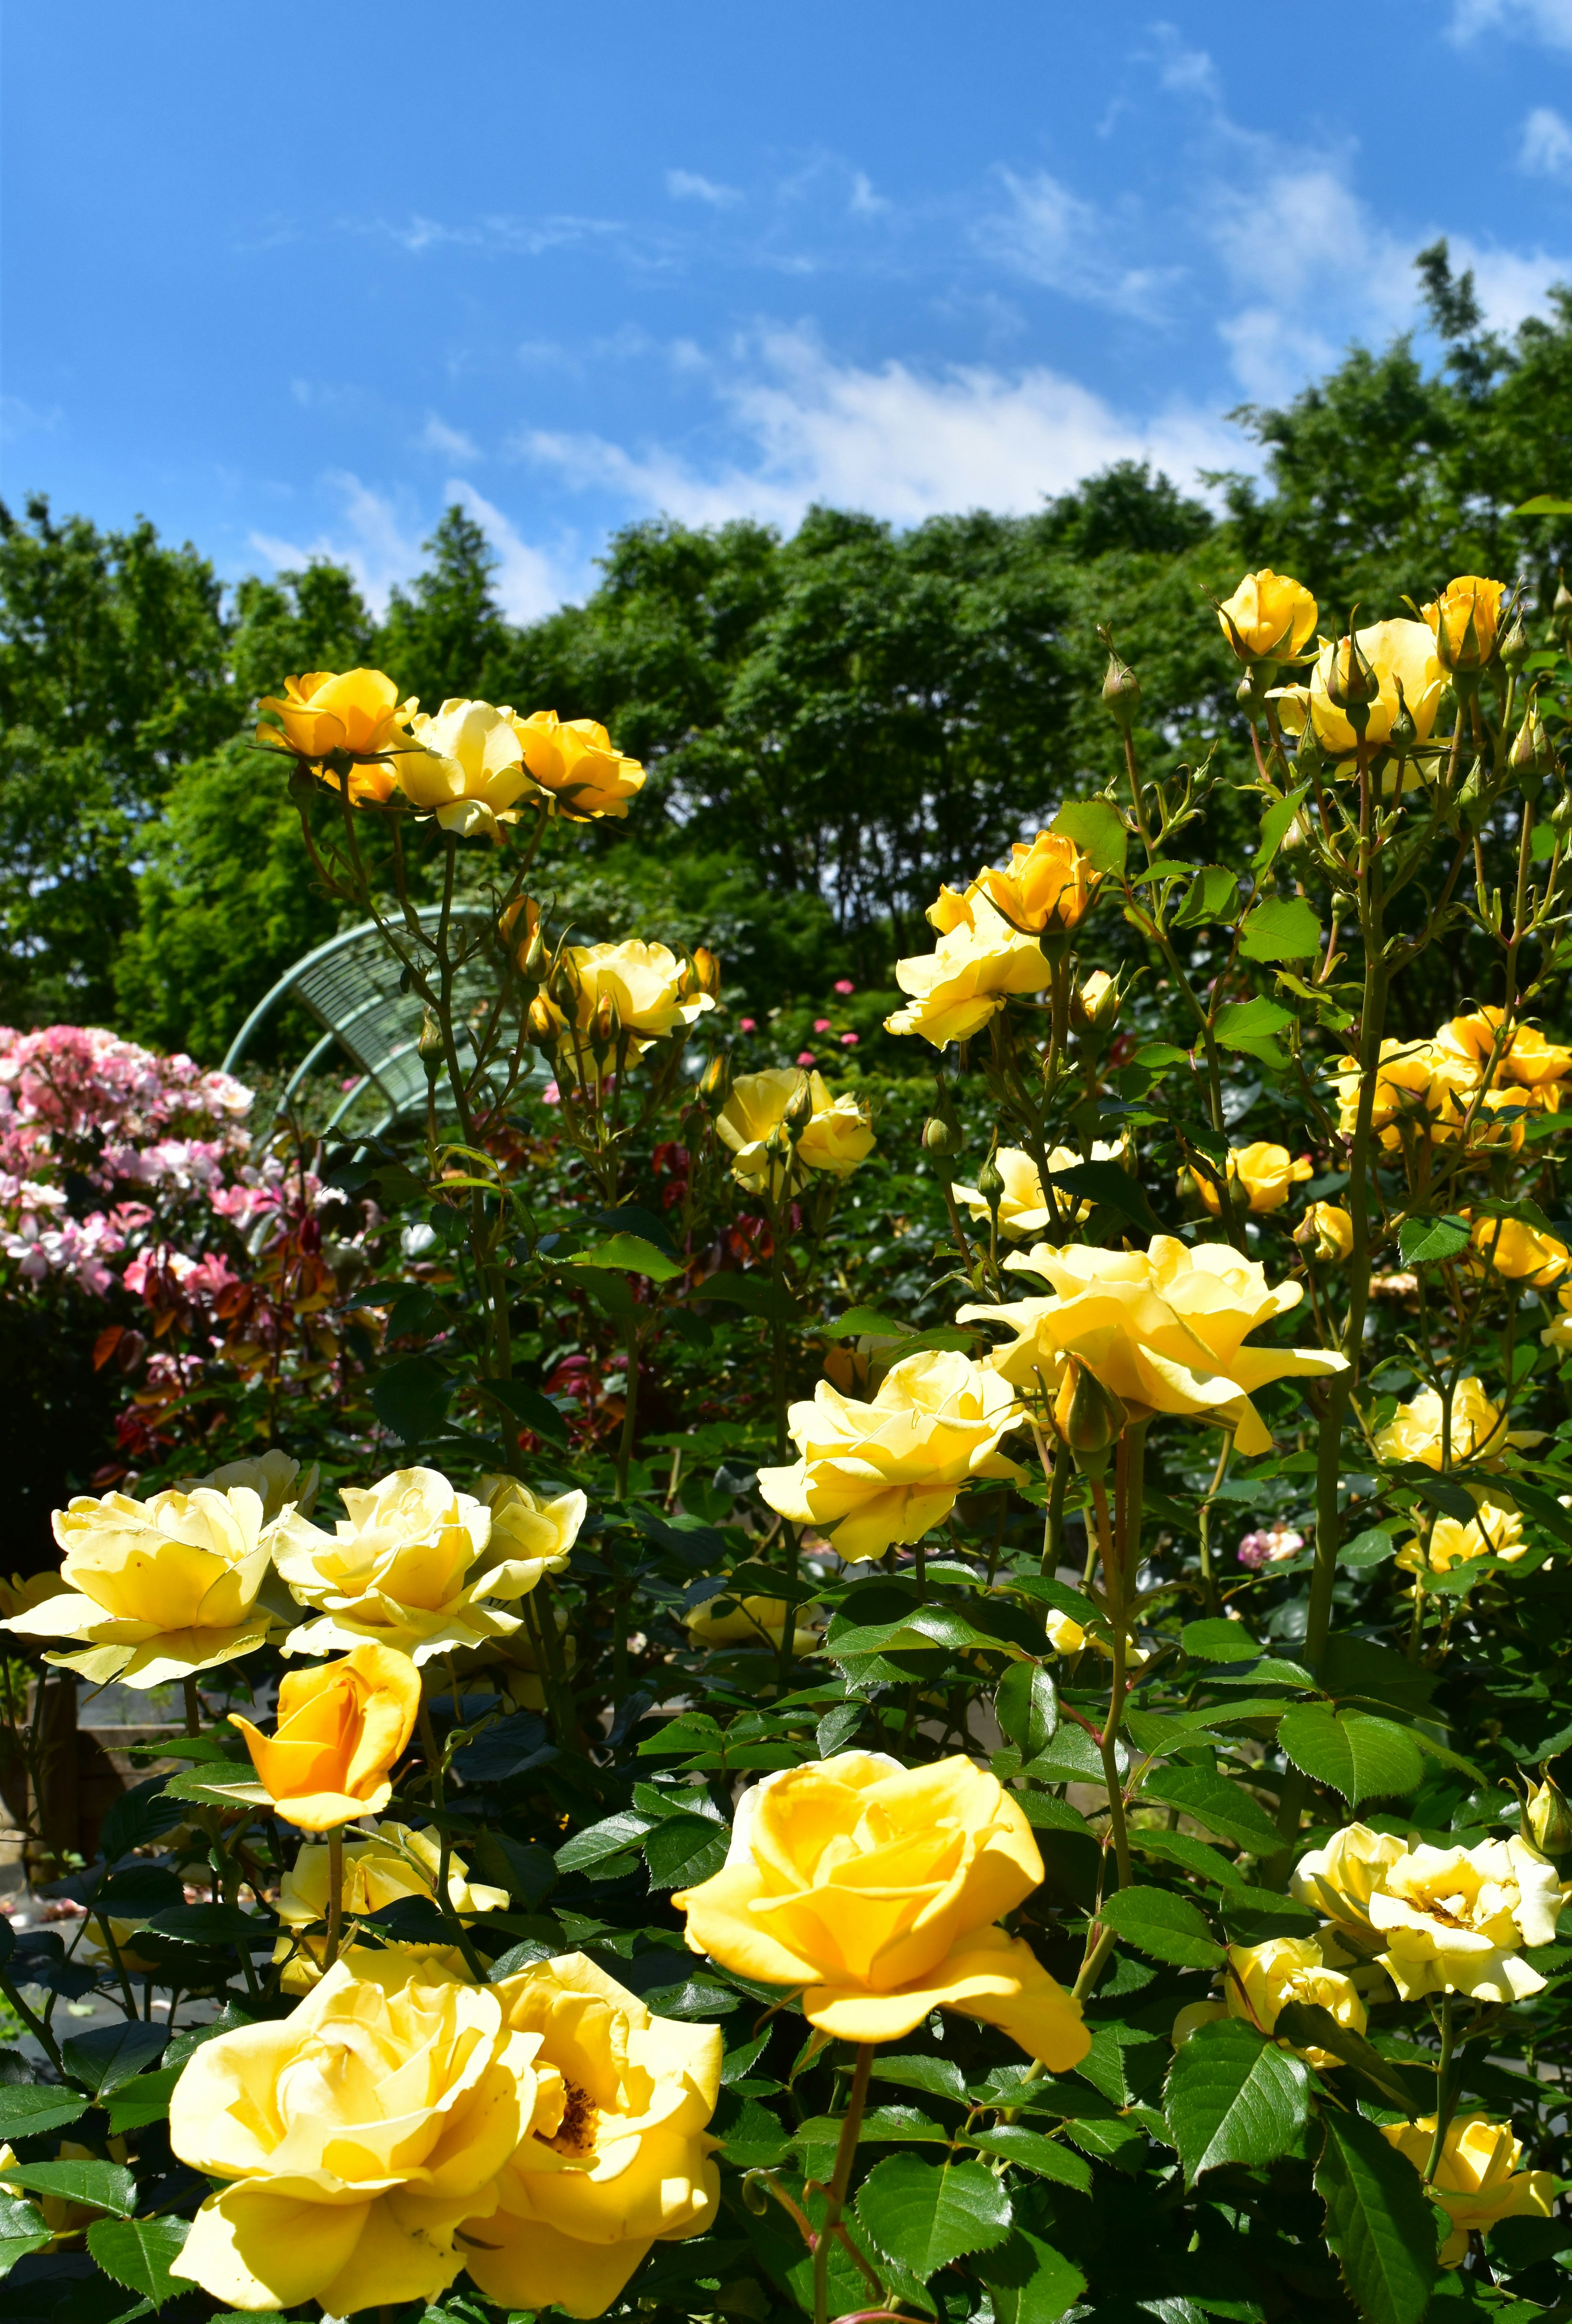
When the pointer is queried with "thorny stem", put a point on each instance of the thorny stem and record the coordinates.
(840, 2179)
(1445, 2097)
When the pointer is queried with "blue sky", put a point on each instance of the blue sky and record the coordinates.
(287, 278)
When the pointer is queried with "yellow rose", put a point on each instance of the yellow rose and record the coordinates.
(1454, 1919)
(835, 1138)
(876, 1886)
(1094, 1005)
(1557, 1335)
(1399, 653)
(391, 1862)
(1325, 1232)
(299, 1959)
(412, 1566)
(1261, 1980)
(25, 1590)
(619, 997)
(468, 769)
(356, 712)
(1268, 1174)
(1268, 618)
(876, 1473)
(1493, 1533)
(980, 960)
(615, 2154)
(157, 1591)
(1521, 1253)
(727, 1621)
(340, 1728)
(838, 1137)
(1463, 622)
(574, 759)
(1162, 1329)
(535, 1534)
(1425, 1089)
(1044, 890)
(1341, 1878)
(1528, 1061)
(1478, 1430)
(273, 1476)
(1023, 1206)
(1477, 2180)
(358, 2134)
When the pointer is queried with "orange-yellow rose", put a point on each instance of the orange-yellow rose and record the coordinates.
(1463, 621)
(1268, 618)
(340, 1728)
(356, 711)
(575, 761)
(1477, 2180)
(1044, 890)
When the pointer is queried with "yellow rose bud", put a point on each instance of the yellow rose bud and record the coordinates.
(1094, 1005)
(575, 762)
(1089, 1417)
(1325, 1232)
(980, 960)
(1261, 1980)
(1463, 622)
(1045, 890)
(615, 2154)
(1267, 1175)
(357, 2134)
(875, 1888)
(1477, 2180)
(1521, 1253)
(532, 1532)
(1546, 1823)
(1398, 655)
(391, 1862)
(727, 1621)
(871, 1474)
(340, 1728)
(156, 1591)
(1455, 1919)
(1268, 618)
(1478, 1431)
(1340, 1879)
(1164, 1328)
(356, 713)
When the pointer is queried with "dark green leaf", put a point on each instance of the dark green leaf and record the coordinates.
(754, 1293)
(1372, 1547)
(1364, 1758)
(1252, 1026)
(1213, 1801)
(1308, 2026)
(528, 1407)
(1050, 2158)
(1098, 829)
(106, 2186)
(1107, 1184)
(1379, 2221)
(1219, 1641)
(629, 1254)
(412, 1398)
(1282, 928)
(1234, 2097)
(138, 2252)
(1165, 1926)
(1275, 825)
(837, 1727)
(216, 1924)
(137, 1818)
(864, 1323)
(1360, 1666)
(139, 1889)
(926, 2214)
(1028, 2281)
(144, 2099)
(684, 1849)
(941, 2077)
(599, 1842)
(1428, 1241)
(109, 2055)
(27, 2109)
(1027, 1705)
(21, 2230)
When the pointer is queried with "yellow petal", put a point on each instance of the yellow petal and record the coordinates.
(256, 2250)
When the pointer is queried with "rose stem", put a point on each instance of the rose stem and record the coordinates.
(835, 2195)
(334, 1895)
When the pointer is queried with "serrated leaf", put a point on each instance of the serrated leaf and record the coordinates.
(528, 1407)
(1234, 2097)
(941, 2077)
(838, 1725)
(1363, 1758)
(1027, 1705)
(1252, 1026)
(144, 2099)
(1213, 1801)
(1050, 2158)
(1106, 1182)
(109, 2055)
(1284, 928)
(216, 1924)
(1217, 1640)
(1308, 2026)
(207, 1788)
(684, 1849)
(924, 2215)
(1362, 1666)
(411, 1397)
(757, 1294)
(1379, 2221)
(106, 2186)
(21, 2230)
(1427, 1242)
(1212, 895)
(28, 2109)
(1028, 2281)
(629, 1254)
(138, 2254)
(1167, 1927)
(599, 1842)
(1098, 829)
(1275, 826)
(137, 1890)
(138, 1817)
(864, 1323)
(1371, 1547)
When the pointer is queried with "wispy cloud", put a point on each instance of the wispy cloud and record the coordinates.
(1548, 21)
(374, 533)
(1546, 149)
(688, 186)
(449, 443)
(1055, 238)
(530, 581)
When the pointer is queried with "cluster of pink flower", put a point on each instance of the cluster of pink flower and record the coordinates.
(844, 987)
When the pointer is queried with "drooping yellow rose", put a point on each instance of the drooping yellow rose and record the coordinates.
(573, 758)
(1163, 1329)
(980, 960)
(875, 1888)
(1399, 653)
(391, 1861)
(1478, 1430)
(1268, 1175)
(1044, 890)
(611, 998)
(1023, 1206)
(532, 1532)
(871, 1474)
(1493, 1533)
(1268, 618)
(357, 2134)
(1261, 1980)
(1325, 1232)
(340, 1728)
(158, 1589)
(1528, 1061)
(469, 768)
(1463, 622)
(615, 2154)
(835, 1139)
(356, 712)
(280, 1482)
(1341, 1878)
(1477, 2180)
(727, 1621)
(1455, 1919)
(412, 1566)
(1522, 1253)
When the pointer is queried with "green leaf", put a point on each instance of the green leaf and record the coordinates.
(137, 1890)
(1029, 2282)
(21, 2230)
(864, 1323)
(756, 1293)
(1098, 829)
(1364, 1758)
(1234, 2097)
(939, 2077)
(110, 2055)
(528, 1407)
(412, 1398)
(1166, 1926)
(1026, 1706)
(1049, 1813)
(1050, 2158)
(924, 2215)
(1285, 928)
(1379, 2221)
(1275, 825)
(1543, 504)
(1107, 1183)
(27, 2109)
(599, 1842)
(206, 1786)
(1372, 1547)
(138, 2252)
(216, 1924)
(144, 2099)
(1541, 1506)
(1217, 1640)
(1252, 1026)
(629, 1254)
(137, 1818)
(1427, 1241)
(1212, 895)
(1308, 2026)
(684, 1849)
(106, 2186)
(1211, 1800)
(1351, 1665)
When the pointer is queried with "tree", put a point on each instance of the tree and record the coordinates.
(443, 637)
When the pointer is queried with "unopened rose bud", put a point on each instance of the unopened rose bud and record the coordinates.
(1563, 602)
(1531, 757)
(544, 1021)
(798, 1111)
(991, 1186)
(1515, 648)
(1121, 690)
(1325, 1233)
(1089, 1418)
(429, 1045)
(608, 1022)
(1546, 1821)
(1561, 816)
(1094, 1005)
(716, 1078)
(707, 968)
(1352, 684)
(1473, 800)
(942, 1137)
(1404, 733)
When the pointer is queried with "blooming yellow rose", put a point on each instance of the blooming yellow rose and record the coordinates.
(573, 758)
(1341, 1878)
(727, 1621)
(875, 1473)
(356, 712)
(1478, 1430)
(1512, 1248)
(1463, 621)
(1325, 1232)
(980, 960)
(1477, 2180)
(1268, 618)
(298, 1960)
(615, 2154)
(357, 2134)
(532, 1532)
(1527, 1062)
(1163, 1329)
(1493, 1533)
(278, 1481)
(1268, 1175)
(876, 1886)
(469, 768)
(1261, 1980)
(391, 1861)
(1399, 653)
(609, 998)
(340, 1728)
(835, 1139)
(1455, 1919)
(156, 1590)
(1044, 890)
(1424, 1089)
(413, 1566)
(1023, 1205)
(25, 1590)
(1557, 1335)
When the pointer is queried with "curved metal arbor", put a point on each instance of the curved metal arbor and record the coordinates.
(351, 985)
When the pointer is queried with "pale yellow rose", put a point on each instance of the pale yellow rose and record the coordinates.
(980, 960)
(1493, 1533)
(616, 2154)
(613, 1000)
(1268, 1175)
(1454, 1919)
(575, 760)
(279, 1481)
(391, 1861)
(875, 1888)
(1477, 2180)
(1425, 1089)
(1268, 618)
(299, 1957)
(1528, 1061)
(1478, 1430)
(413, 1566)
(1463, 621)
(25, 1590)
(727, 1621)
(871, 1474)
(1399, 653)
(340, 1728)
(1261, 1980)
(1325, 1232)
(468, 769)
(156, 1591)
(534, 1533)
(356, 712)
(1521, 1253)
(1340, 1879)
(1023, 1206)
(357, 2135)
(1047, 889)
(835, 1138)
(1163, 1329)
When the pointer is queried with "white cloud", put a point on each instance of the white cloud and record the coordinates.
(451, 443)
(863, 202)
(687, 186)
(374, 537)
(529, 582)
(898, 442)
(19, 418)
(1549, 21)
(1546, 150)
(1054, 237)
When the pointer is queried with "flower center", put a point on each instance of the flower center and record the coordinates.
(575, 2133)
